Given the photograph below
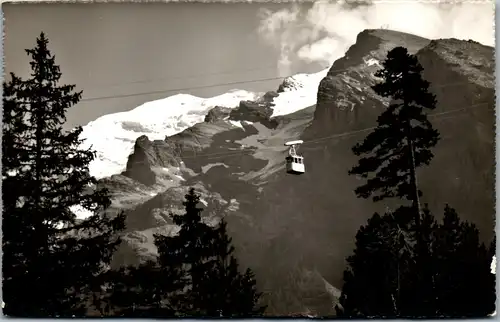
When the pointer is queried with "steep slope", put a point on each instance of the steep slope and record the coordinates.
(295, 231)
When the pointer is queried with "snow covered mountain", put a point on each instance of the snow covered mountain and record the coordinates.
(113, 136)
(295, 231)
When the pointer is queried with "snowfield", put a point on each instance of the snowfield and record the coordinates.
(301, 93)
(113, 136)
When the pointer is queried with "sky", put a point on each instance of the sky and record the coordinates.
(324, 32)
(121, 49)
(125, 51)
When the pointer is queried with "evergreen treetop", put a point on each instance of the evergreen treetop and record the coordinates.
(402, 140)
(210, 283)
(45, 175)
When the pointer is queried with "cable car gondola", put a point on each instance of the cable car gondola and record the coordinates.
(294, 161)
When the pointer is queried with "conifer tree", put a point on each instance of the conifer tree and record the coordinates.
(50, 259)
(436, 263)
(402, 140)
(378, 270)
(224, 291)
(453, 278)
(209, 282)
(462, 265)
(186, 254)
(135, 292)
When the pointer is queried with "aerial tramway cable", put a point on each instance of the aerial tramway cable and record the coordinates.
(330, 137)
(98, 98)
(151, 80)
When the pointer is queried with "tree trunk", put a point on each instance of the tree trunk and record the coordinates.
(36, 109)
(413, 177)
(418, 292)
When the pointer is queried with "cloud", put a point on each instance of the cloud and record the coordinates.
(278, 28)
(323, 32)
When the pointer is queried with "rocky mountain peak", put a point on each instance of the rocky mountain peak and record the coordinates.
(345, 99)
(289, 84)
(269, 97)
(253, 111)
(216, 114)
(146, 156)
(138, 165)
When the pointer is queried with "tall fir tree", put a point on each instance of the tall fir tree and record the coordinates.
(50, 259)
(418, 273)
(402, 140)
(186, 255)
(209, 283)
(224, 291)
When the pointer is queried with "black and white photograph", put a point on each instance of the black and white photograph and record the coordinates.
(184, 159)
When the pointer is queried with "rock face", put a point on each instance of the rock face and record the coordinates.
(345, 99)
(217, 114)
(269, 97)
(253, 112)
(295, 231)
(138, 165)
(147, 155)
(288, 84)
